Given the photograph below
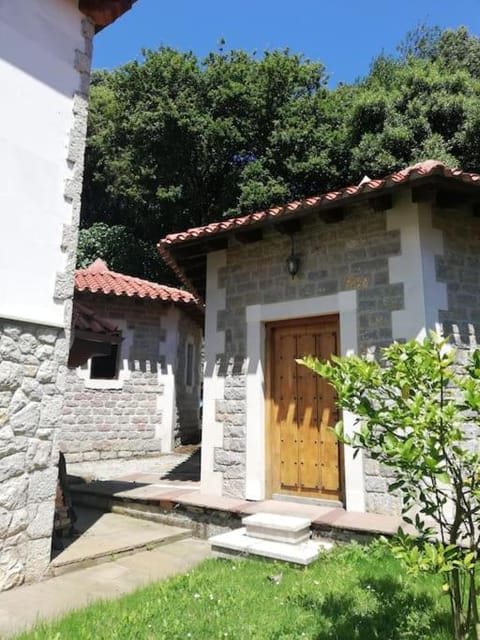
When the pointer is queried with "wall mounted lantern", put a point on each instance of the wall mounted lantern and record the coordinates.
(293, 261)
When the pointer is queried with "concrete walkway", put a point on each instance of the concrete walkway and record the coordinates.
(23, 607)
(102, 536)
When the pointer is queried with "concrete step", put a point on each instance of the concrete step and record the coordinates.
(237, 542)
(107, 536)
(269, 526)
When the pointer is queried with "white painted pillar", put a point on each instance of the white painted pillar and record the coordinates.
(213, 383)
(415, 267)
(166, 378)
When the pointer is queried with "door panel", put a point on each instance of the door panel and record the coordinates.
(305, 456)
(287, 411)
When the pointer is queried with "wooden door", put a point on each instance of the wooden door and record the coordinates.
(305, 457)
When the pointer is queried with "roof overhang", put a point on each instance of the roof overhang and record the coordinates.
(104, 12)
(186, 253)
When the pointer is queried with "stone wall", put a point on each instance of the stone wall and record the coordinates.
(32, 382)
(120, 420)
(64, 281)
(459, 268)
(123, 419)
(33, 356)
(349, 255)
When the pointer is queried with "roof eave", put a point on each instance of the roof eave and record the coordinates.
(104, 12)
(434, 179)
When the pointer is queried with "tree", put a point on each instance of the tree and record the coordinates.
(415, 408)
(174, 141)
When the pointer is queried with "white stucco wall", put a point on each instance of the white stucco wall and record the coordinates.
(213, 383)
(415, 267)
(38, 39)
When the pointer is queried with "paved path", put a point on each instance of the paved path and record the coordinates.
(21, 608)
(179, 465)
(101, 536)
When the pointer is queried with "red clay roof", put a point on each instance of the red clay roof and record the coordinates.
(420, 170)
(98, 278)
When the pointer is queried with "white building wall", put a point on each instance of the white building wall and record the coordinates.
(45, 52)
(415, 268)
(213, 383)
(38, 41)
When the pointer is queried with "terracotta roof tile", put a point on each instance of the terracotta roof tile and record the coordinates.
(98, 278)
(422, 169)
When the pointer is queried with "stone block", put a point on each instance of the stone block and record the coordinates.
(39, 454)
(48, 336)
(10, 330)
(51, 410)
(48, 371)
(18, 522)
(238, 542)
(27, 343)
(26, 421)
(18, 401)
(41, 521)
(42, 485)
(268, 526)
(5, 519)
(14, 494)
(10, 375)
(38, 558)
(12, 466)
(375, 484)
(12, 568)
(9, 349)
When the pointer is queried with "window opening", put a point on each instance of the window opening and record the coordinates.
(105, 367)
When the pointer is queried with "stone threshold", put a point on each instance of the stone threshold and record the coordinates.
(206, 514)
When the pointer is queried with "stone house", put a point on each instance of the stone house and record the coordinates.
(138, 390)
(45, 55)
(345, 271)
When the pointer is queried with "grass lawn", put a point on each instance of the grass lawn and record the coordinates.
(352, 593)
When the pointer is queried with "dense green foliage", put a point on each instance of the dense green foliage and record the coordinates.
(416, 410)
(353, 593)
(175, 142)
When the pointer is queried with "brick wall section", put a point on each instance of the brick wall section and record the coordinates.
(187, 429)
(119, 423)
(111, 423)
(459, 268)
(32, 379)
(352, 254)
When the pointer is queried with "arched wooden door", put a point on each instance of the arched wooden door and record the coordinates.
(305, 458)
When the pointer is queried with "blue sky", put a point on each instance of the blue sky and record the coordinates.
(345, 35)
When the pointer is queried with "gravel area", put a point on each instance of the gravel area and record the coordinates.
(165, 466)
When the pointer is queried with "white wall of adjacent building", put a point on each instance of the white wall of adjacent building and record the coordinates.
(38, 39)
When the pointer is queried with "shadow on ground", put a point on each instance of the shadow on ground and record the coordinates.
(188, 470)
(379, 608)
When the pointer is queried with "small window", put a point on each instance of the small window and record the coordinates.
(105, 367)
(189, 365)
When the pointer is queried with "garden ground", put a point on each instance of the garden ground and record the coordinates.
(352, 593)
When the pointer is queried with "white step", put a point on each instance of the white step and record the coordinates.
(237, 542)
(270, 526)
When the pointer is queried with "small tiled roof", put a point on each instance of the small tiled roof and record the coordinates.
(98, 278)
(422, 169)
